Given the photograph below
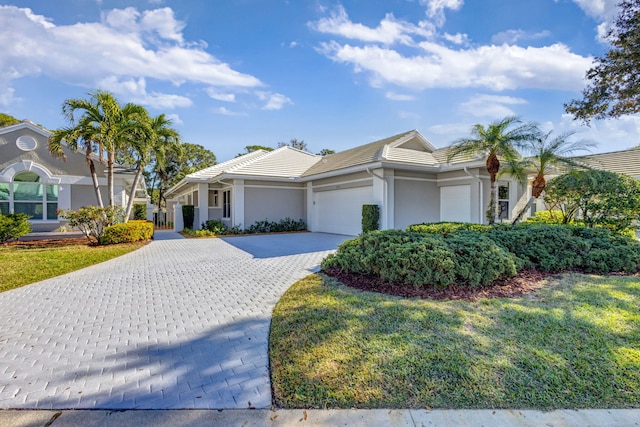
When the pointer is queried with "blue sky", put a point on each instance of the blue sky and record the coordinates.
(232, 73)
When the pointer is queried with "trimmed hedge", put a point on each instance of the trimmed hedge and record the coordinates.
(188, 215)
(370, 218)
(127, 232)
(473, 255)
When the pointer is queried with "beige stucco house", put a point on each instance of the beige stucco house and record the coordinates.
(34, 182)
(405, 175)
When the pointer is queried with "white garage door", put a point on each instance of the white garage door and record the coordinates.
(455, 203)
(340, 211)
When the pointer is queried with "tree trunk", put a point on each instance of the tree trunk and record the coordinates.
(493, 166)
(518, 217)
(94, 176)
(136, 180)
(110, 162)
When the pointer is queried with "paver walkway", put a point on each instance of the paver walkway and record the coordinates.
(177, 324)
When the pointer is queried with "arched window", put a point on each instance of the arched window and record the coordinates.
(28, 194)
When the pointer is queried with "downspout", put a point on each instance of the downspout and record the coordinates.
(386, 195)
(480, 192)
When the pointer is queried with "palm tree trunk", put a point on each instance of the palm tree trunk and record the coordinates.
(526, 207)
(136, 180)
(492, 210)
(94, 177)
(110, 162)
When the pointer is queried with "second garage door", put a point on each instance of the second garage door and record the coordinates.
(340, 211)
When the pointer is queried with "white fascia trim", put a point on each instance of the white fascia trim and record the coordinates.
(261, 178)
(25, 125)
(345, 171)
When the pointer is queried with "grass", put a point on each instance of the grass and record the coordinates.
(22, 266)
(573, 344)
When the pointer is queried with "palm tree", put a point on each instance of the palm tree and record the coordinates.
(156, 139)
(546, 154)
(76, 136)
(106, 123)
(499, 139)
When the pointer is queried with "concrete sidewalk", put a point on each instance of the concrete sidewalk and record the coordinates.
(299, 417)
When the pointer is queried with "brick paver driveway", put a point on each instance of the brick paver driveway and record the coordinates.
(180, 323)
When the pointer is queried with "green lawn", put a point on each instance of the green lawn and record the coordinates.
(21, 266)
(573, 344)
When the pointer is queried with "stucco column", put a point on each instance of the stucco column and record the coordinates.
(237, 204)
(178, 220)
(203, 203)
(383, 196)
(311, 208)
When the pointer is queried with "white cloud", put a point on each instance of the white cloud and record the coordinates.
(493, 67)
(389, 31)
(225, 112)
(274, 101)
(492, 106)
(136, 91)
(514, 36)
(603, 11)
(436, 8)
(610, 135)
(125, 46)
(458, 38)
(399, 96)
(226, 97)
(175, 119)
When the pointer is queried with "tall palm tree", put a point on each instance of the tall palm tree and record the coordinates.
(549, 153)
(156, 138)
(76, 137)
(499, 139)
(106, 123)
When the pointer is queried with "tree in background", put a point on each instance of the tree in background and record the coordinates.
(599, 198)
(7, 120)
(251, 148)
(294, 143)
(326, 152)
(499, 139)
(614, 82)
(155, 139)
(180, 160)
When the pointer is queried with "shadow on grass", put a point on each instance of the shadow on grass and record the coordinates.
(337, 347)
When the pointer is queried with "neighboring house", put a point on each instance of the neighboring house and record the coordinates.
(34, 182)
(405, 175)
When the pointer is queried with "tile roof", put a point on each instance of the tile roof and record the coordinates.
(382, 150)
(215, 170)
(284, 162)
(625, 162)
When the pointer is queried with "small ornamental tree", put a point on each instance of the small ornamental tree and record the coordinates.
(92, 220)
(598, 198)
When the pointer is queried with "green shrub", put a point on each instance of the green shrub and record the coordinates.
(127, 232)
(553, 216)
(370, 218)
(215, 226)
(479, 260)
(92, 220)
(446, 228)
(139, 212)
(284, 225)
(188, 215)
(198, 233)
(13, 226)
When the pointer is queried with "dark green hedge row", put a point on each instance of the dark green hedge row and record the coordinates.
(444, 254)
(127, 232)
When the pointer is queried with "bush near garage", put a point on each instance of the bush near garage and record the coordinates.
(127, 232)
(451, 254)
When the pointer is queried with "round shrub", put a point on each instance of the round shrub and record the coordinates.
(479, 260)
(446, 228)
(127, 232)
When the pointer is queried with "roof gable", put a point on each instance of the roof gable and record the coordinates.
(25, 124)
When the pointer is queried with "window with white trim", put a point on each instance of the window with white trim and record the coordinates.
(226, 204)
(30, 195)
(503, 200)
